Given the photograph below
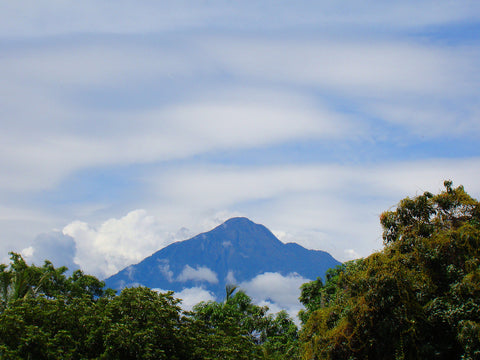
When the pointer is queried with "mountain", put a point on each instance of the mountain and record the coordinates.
(234, 252)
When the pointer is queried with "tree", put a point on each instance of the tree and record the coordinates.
(48, 328)
(46, 315)
(280, 337)
(20, 280)
(239, 329)
(143, 324)
(417, 298)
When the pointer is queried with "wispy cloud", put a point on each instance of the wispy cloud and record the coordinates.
(327, 207)
(125, 17)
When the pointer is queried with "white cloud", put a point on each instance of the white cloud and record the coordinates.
(220, 186)
(254, 118)
(276, 291)
(55, 247)
(192, 296)
(28, 252)
(363, 68)
(224, 186)
(427, 89)
(201, 273)
(55, 146)
(117, 243)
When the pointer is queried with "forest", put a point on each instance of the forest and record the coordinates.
(417, 298)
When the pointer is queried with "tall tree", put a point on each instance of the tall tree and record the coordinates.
(417, 298)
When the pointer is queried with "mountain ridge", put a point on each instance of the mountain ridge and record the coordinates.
(233, 252)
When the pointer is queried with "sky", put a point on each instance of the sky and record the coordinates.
(126, 125)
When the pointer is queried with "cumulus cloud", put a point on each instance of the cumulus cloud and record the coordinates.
(117, 243)
(54, 246)
(276, 291)
(192, 296)
(200, 273)
(324, 199)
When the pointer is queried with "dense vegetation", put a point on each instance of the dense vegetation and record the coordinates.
(46, 315)
(418, 298)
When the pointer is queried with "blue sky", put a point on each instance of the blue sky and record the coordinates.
(126, 125)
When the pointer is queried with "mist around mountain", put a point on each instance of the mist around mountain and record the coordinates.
(238, 252)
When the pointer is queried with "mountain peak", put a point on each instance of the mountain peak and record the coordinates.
(238, 248)
(242, 224)
(238, 221)
(240, 232)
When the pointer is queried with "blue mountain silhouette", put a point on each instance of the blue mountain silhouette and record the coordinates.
(236, 251)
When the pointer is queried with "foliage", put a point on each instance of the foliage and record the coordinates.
(143, 324)
(46, 315)
(417, 298)
(22, 281)
(239, 329)
(41, 328)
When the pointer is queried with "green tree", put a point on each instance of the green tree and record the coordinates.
(239, 329)
(143, 324)
(50, 328)
(279, 337)
(46, 315)
(417, 298)
(20, 280)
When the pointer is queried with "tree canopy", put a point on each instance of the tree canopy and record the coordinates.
(46, 315)
(418, 298)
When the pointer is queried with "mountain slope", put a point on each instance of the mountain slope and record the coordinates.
(234, 252)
